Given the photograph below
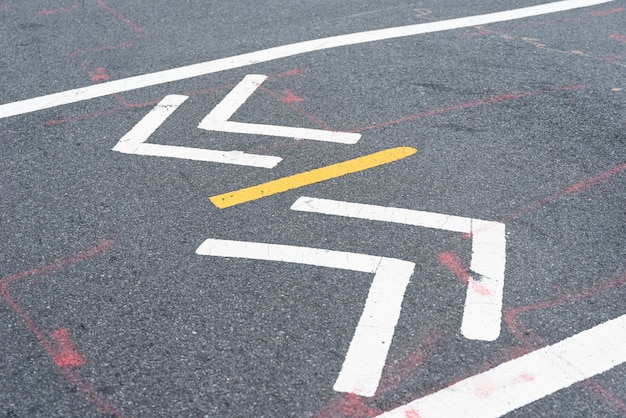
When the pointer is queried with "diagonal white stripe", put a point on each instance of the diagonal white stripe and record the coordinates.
(526, 379)
(244, 60)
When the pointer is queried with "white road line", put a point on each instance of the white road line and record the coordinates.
(238, 61)
(134, 141)
(367, 353)
(483, 301)
(482, 313)
(234, 99)
(149, 123)
(217, 119)
(526, 379)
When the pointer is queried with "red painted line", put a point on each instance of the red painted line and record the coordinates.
(98, 74)
(613, 57)
(606, 12)
(398, 371)
(532, 341)
(486, 101)
(454, 265)
(291, 104)
(117, 14)
(593, 387)
(58, 11)
(619, 37)
(53, 122)
(289, 96)
(61, 349)
(574, 188)
(77, 52)
(349, 405)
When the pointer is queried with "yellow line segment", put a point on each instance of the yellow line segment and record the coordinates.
(310, 177)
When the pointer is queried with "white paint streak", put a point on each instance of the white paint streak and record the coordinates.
(367, 353)
(238, 61)
(217, 119)
(526, 379)
(134, 141)
(482, 313)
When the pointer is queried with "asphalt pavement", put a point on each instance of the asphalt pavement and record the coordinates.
(447, 241)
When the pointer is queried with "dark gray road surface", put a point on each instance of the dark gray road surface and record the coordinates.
(106, 308)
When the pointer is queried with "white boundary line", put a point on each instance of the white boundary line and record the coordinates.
(526, 379)
(243, 60)
(367, 353)
(134, 141)
(482, 313)
(217, 119)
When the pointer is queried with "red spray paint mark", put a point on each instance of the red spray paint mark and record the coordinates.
(531, 340)
(78, 52)
(117, 14)
(594, 388)
(455, 266)
(613, 57)
(65, 355)
(619, 37)
(411, 414)
(288, 73)
(61, 350)
(460, 106)
(399, 370)
(574, 188)
(347, 405)
(53, 122)
(350, 405)
(290, 97)
(4, 7)
(59, 11)
(606, 12)
(99, 74)
(291, 104)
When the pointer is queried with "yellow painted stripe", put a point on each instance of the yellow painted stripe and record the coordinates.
(310, 177)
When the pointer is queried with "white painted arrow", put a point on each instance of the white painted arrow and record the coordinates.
(483, 301)
(217, 119)
(368, 349)
(134, 142)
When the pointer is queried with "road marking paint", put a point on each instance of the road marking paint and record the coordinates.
(217, 119)
(367, 353)
(134, 141)
(251, 58)
(151, 122)
(483, 302)
(482, 314)
(526, 379)
(311, 177)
